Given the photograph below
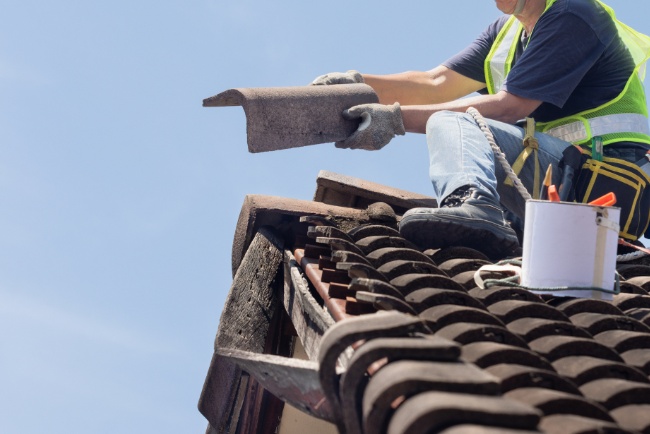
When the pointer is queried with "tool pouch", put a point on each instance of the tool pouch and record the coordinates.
(627, 181)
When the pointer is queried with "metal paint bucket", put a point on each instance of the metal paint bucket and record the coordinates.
(570, 245)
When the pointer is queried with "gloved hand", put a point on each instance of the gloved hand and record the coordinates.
(379, 124)
(349, 77)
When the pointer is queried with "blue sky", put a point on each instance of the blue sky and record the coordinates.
(119, 193)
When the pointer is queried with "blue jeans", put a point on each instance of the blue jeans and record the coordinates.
(459, 154)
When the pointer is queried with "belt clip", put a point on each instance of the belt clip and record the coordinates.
(597, 148)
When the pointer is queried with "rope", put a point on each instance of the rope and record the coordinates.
(640, 252)
(631, 257)
(498, 153)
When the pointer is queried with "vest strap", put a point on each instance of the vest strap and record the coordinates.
(531, 146)
(609, 124)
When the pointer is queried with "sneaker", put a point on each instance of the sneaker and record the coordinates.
(468, 218)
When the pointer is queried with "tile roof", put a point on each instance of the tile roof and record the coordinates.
(407, 343)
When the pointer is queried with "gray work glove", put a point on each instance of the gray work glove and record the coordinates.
(379, 124)
(349, 77)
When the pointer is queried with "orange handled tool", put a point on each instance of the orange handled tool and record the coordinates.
(607, 200)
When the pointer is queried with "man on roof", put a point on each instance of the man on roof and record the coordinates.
(569, 65)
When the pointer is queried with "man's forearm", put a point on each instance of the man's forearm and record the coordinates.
(421, 87)
(502, 107)
(407, 88)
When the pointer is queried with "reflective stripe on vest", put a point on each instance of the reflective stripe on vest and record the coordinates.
(498, 67)
(610, 124)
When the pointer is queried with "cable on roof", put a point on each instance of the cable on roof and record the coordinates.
(514, 281)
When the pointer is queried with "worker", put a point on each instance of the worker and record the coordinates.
(568, 64)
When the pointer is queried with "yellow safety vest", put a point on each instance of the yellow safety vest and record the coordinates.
(625, 118)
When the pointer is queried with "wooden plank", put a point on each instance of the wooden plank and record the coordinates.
(295, 381)
(341, 190)
(245, 324)
(309, 318)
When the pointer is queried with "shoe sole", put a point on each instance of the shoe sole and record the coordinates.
(431, 232)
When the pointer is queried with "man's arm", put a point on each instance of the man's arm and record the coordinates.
(438, 85)
(503, 106)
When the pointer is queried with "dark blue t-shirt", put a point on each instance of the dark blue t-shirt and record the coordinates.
(573, 61)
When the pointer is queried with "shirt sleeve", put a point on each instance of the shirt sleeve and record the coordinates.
(561, 50)
(470, 62)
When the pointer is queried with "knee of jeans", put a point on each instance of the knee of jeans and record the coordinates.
(441, 120)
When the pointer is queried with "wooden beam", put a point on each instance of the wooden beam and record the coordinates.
(245, 324)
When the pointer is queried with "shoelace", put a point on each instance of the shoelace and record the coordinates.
(456, 198)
